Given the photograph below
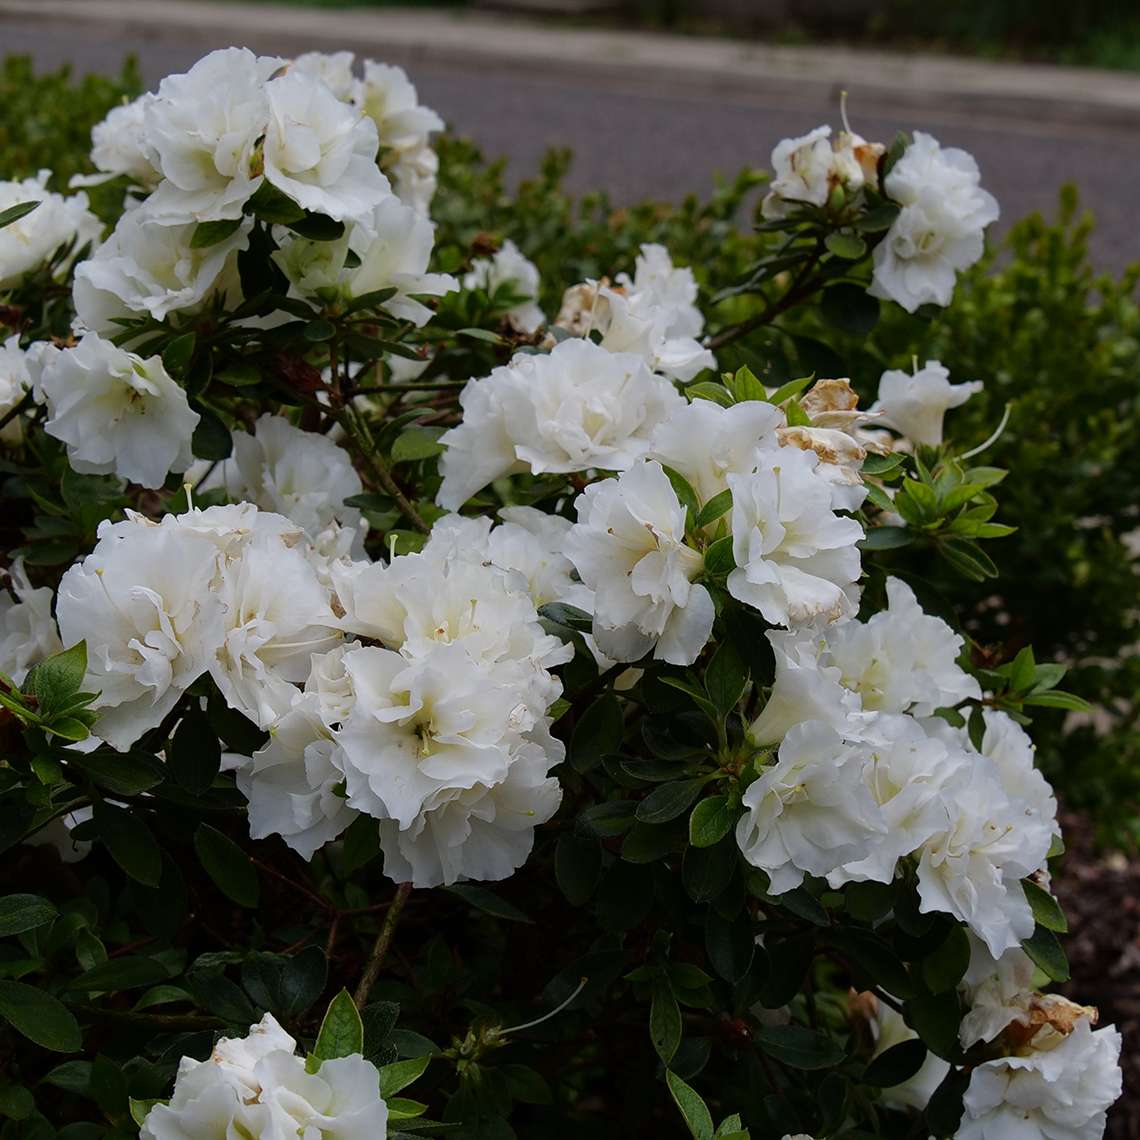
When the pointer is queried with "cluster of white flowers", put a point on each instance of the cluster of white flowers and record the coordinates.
(867, 775)
(57, 221)
(509, 268)
(943, 211)
(207, 141)
(258, 1087)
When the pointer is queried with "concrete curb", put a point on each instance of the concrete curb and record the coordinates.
(877, 80)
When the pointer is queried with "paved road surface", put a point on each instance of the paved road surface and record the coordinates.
(639, 139)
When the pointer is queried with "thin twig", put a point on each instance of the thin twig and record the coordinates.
(380, 948)
(355, 428)
(15, 410)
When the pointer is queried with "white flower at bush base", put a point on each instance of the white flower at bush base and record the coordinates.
(997, 990)
(28, 243)
(1054, 1093)
(142, 602)
(510, 268)
(302, 475)
(576, 408)
(812, 811)
(629, 548)
(796, 559)
(808, 168)
(429, 749)
(202, 128)
(259, 1089)
(914, 404)
(148, 268)
(28, 632)
(940, 229)
(889, 1029)
(116, 412)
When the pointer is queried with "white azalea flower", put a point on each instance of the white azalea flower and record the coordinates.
(28, 243)
(27, 630)
(509, 267)
(576, 408)
(333, 69)
(940, 228)
(117, 412)
(812, 811)
(705, 442)
(388, 97)
(292, 783)
(901, 659)
(629, 548)
(321, 152)
(258, 1087)
(806, 687)
(119, 147)
(808, 168)
(659, 284)
(973, 867)
(1010, 749)
(276, 614)
(150, 268)
(796, 559)
(998, 991)
(15, 383)
(201, 129)
(889, 1029)
(142, 602)
(634, 325)
(1058, 1093)
(414, 174)
(914, 404)
(57, 833)
(302, 475)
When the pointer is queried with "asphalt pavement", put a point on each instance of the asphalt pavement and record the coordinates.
(643, 132)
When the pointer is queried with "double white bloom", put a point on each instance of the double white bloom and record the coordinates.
(29, 243)
(258, 1087)
(940, 229)
(510, 269)
(914, 404)
(808, 169)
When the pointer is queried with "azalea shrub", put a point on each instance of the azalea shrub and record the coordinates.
(450, 690)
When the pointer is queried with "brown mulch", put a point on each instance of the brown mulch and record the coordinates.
(1100, 892)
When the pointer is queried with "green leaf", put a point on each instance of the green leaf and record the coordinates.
(211, 438)
(577, 866)
(706, 871)
(894, 1065)
(1046, 910)
(130, 842)
(140, 1108)
(726, 678)
(484, 335)
(718, 505)
(692, 1107)
(744, 386)
(178, 353)
(1055, 699)
(271, 205)
(708, 390)
(122, 773)
(598, 732)
(849, 309)
(400, 1074)
(55, 681)
(126, 973)
(868, 952)
(228, 865)
(664, 1021)
(207, 234)
(935, 1018)
(319, 330)
(342, 1032)
(195, 753)
(686, 496)
(1046, 951)
(24, 912)
(417, 443)
(944, 1110)
(484, 899)
(719, 558)
(730, 945)
(790, 390)
(668, 801)
(40, 1017)
(886, 538)
(15, 213)
(944, 968)
(845, 245)
(798, 1047)
(317, 227)
(360, 844)
(607, 819)
(711, 821)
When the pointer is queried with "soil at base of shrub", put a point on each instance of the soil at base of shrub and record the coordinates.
(1100, 893)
